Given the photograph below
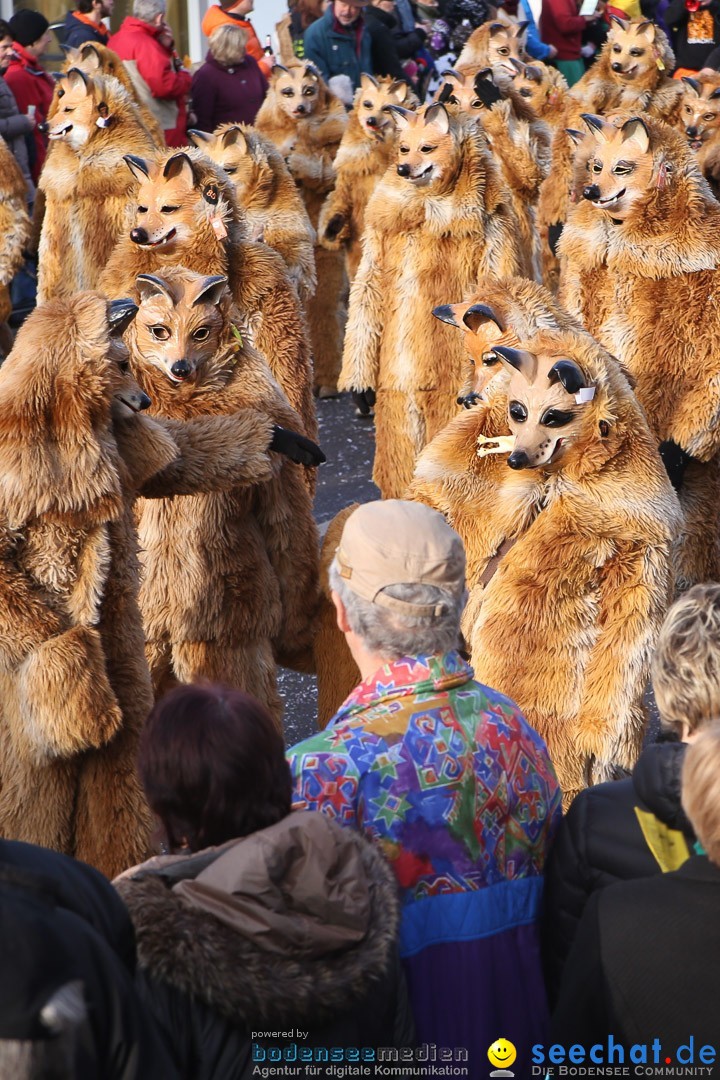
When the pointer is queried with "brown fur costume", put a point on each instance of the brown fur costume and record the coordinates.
(420, 242)
(74, 684)
(229, 575)
(309, 143)
(646, 289)
(14, 233)
(365, 153)
(85, 184)
(267, 195)
(495, 44)
(258, 280)
(699, 119)
(564, 621)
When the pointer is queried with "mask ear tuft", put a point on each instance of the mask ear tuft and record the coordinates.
(437, 114)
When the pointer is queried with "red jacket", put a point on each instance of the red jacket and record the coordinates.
(137, 40)
(561, 26)
(31, 85)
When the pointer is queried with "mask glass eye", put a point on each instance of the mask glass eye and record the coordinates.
(427, 149)
(202, 333)
(637, 52)
(142, 209)
(518, 412)
(709, 117)
(124, 366)
(616, 49)
(404, 149)
(160, 333)
(168, 209)
(555, 418)
(367, 104)
(231, 170)
(288, 92)
(525, 92)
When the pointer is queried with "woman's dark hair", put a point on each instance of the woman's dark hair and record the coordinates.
(308, 10)
(212, 763)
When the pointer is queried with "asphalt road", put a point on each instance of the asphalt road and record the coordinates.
(349, 444)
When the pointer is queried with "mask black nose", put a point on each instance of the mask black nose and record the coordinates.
(403, 170)
(145, 401)
(300, 109)
(371, 121)
(691, 132)
(44, 127)
(180, 369)
(139, 236)
(592, 192)
(518, 460)
(617, 67)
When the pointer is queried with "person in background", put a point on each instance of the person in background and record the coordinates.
(534, 45)
(85, 23)
(381, 23)
(445, 775)
(259, 917)
(145, 42)
(229, 87)
(235, 13)
(695, 33)
(562, 27)
(645, 961)
(14, 125)
(31, 85)
(637, 827)
(340, 43)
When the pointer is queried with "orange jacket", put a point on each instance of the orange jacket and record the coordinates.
(215, 16)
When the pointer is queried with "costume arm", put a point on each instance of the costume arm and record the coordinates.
(15, 229)
(217, 453)
(695, 422)
(26, 617)
(363, 335)
(336, 215)
(511, 144)
(314, 171)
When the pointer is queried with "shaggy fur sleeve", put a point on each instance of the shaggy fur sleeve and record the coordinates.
(313, 171)
(511, 143)
(363, 334)
(26, 617)
(217, 453)
(338, 203)
(15, 230)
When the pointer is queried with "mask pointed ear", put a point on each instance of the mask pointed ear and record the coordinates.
(622, 23)
(446, 313)
(482, 315)
(521, 28)
(399, 88)
(517, 360)
(534, 74)
(437, 114)
(278, 69)
(198, 138)
(599, 128)
(137, 166)
(149, 285)
(402, 118)
(693, 84)
(72, 55)
(367, 80)
(90, 57)
(120, 314)
(519, 67)
(636, 134)
(568, 374)
(645, 29)
(211, 290)
(234, 137)
(77, 80)
(451, 73)
(179, 165)
(311, 72)
(576, 136)
(498, 28)
(715, 94)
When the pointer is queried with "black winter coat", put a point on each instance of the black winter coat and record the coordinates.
(689, 54)
(601, 841)
(75, 33)
(645, 965)
(385, 58)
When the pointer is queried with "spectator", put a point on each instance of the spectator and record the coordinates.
(695, 34)
(445, 775)
(145, 42)
(260, 917)
(534, 45)
(381, 23)
(340, 43)
(562, 27)
(636, 827)
(14, 126)
(86, 23)
(234, 12)
(291, 29)
(645, 960)
(229, 87)
(409, 35)
(30, 84)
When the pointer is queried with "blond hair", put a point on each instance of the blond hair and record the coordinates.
(686, 663)
(701, 789)
(227, 43)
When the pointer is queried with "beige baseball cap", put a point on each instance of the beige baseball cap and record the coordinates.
(395, 542)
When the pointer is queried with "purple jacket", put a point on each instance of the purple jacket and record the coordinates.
(230, 95)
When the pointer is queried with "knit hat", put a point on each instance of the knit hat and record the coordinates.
(27, 26)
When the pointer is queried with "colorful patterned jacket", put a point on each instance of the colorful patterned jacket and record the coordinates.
(450, 779)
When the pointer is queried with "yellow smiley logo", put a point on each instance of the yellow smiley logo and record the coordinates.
(502, 1053)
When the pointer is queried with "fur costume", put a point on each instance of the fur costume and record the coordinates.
(306, 123)
(569, 563)
(423, 237)
(699, 119)
(230, 575)
(267, 195)
(14, 233)
(603, 91)
(85, 183)
(206, 232)
(74, 684)
(645, 287)
(366, 150)
(495, 45)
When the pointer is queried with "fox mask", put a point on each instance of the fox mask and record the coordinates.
(619, 165)
(93, 59)
(81, 109)
(180, 322)
(533, 84)
(466, 90)
(482, 329)
(701, 109)
(170, 202)
(505, 44)
(371, 104)
(228, 149)
(425, 145)
(547, 399)
(632, 48)
(297, 89)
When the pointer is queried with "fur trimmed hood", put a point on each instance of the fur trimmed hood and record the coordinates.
(296, 921)
(673, 229)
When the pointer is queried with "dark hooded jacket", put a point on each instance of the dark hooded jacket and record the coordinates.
(291, 928)
(613, 832)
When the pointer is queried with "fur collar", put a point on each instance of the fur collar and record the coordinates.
(239, 976)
